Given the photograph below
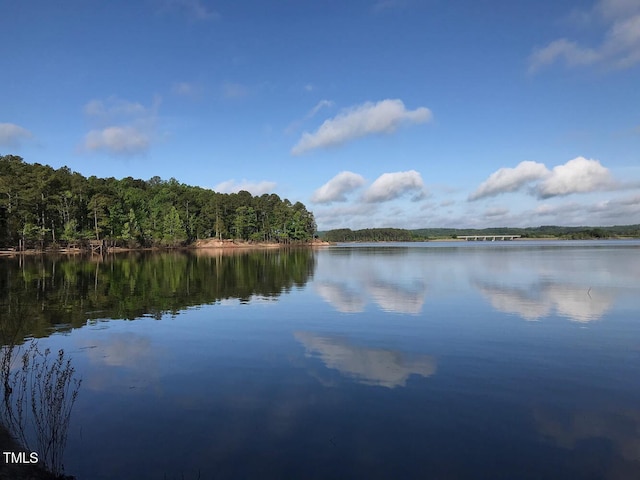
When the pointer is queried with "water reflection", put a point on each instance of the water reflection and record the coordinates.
(578, 282)
(344, 298)
(581, 430)
(369, 366)
(378, 274)
(576, 303)
(39, 293)
(123, 360)
(238, 388)
(395, 298)
(388, 296)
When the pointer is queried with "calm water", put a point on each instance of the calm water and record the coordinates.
(498, 360)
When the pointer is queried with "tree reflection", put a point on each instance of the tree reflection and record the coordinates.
(65, 292)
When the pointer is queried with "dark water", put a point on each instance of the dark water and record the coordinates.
(501, 360)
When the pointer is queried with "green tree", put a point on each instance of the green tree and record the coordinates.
(174, 232)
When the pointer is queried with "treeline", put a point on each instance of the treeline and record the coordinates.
(545, 231)
(424, 234)
(41, 206)
(369, 235)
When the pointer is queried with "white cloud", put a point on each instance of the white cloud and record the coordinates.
(114, 107)
(576, 176)
(579, 175)
(12, 135)
(389, 186)
(118, 140)
(336, 188)
(571, 52)
(255, 188)
(620, 46)
(319, 106)
(120, 127)
(510, 179)
(310, 114)
(359, 121)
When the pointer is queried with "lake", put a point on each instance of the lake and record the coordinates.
(440, 360)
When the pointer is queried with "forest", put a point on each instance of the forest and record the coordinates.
(42, 207)
(425, 234)
(544, 231)
(370, 235)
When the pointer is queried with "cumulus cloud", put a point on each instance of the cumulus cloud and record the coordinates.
(619, 48)
(117, 140)
(510, 179)
(576, 176)
(12, 135)
(359, 121)
(389, 186)
(335, 190)
(121, 127)
(579, 175)
(255, 188)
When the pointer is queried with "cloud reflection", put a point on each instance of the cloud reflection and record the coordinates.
(130, 358)
(341, 297)
(573, 431)
(577, 303)
(394, 298)
(369, 366)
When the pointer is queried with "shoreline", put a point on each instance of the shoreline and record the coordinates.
(242, 245)
(208, 244)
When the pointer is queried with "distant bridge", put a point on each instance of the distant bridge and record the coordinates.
(488, 238)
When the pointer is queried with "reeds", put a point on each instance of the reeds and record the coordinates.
(40, 390)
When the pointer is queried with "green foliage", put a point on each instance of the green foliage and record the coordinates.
(40, 205)
(369, 235)
(174, 232)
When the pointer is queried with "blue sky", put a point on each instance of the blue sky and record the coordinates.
(374, 113)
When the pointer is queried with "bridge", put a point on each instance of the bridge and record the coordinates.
(488, 238)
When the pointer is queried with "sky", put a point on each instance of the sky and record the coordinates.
(373, 113)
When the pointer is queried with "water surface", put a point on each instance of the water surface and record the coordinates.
(439, 360)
